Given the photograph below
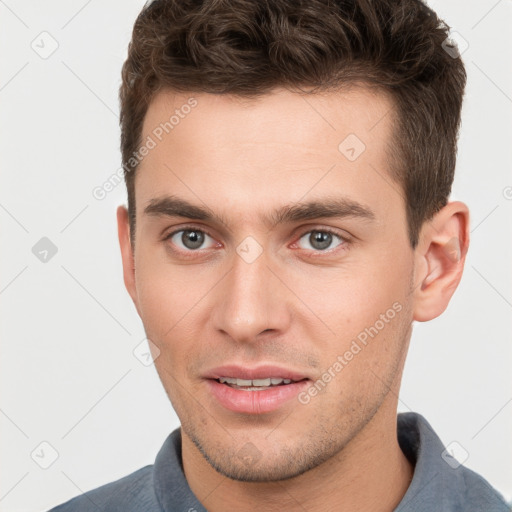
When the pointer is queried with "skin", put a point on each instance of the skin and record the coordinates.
(295, 305)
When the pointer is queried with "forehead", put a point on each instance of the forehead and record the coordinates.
(363, 111)
(276, 148)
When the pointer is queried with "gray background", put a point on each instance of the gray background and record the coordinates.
(69, 376)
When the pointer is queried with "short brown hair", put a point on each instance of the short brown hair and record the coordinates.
(246, 48)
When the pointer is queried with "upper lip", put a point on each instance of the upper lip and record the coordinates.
(260, 372)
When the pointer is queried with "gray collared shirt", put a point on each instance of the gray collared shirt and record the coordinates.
(439, 482)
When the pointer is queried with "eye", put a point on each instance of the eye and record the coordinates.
(320, 239)
(189, 239)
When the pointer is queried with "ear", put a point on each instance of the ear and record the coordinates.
(439, 260)
(123, 231)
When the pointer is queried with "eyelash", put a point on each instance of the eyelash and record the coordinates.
(343, 246)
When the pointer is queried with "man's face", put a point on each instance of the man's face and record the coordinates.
(325, 300)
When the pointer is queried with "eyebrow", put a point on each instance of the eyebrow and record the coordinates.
(339, 207)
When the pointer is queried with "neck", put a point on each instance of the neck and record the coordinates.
(370, 474)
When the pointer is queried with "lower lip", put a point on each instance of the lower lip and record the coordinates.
(255, 402)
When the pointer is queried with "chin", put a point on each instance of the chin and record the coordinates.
(248, 464)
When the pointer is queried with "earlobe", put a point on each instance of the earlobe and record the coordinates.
(123, 230)
(440, 257)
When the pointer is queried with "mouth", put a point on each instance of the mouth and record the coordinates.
(255, 384)
(254, 391)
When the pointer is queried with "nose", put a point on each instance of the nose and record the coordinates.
(251, 301)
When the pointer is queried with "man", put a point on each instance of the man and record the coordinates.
(288, 167)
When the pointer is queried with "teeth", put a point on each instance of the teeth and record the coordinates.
(261, 382)
(227, 380)
(270, 381)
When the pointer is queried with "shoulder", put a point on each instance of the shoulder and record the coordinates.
(439, 480)
(134, 492)
(479, 492)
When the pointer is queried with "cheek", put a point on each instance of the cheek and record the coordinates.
(155, 294)
(171, 300)
(352, 296)
(364, 309)
(165, 309)
(162, 298)
(158, 283)
(360, 364)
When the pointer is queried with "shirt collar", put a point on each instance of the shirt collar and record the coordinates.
(438, 482)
